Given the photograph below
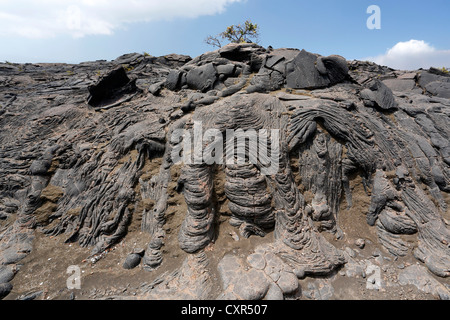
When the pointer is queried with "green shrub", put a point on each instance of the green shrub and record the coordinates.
(240, 33)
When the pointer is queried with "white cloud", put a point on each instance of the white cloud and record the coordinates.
(48, 18)
(411, 55)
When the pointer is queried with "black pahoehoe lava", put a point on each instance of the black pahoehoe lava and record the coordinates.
(76, 140)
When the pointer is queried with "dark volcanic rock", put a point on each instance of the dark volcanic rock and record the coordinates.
(303, 74)
(132, 261)
(335, 67)
(311, 71)
(5, 289)
(439, 89)
(6, 273)
(202, 78)
(87, 154)
(111, 88)
(381, 95)
(173, 80)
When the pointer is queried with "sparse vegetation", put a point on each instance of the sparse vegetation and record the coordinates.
(240, 33)
(127, 67)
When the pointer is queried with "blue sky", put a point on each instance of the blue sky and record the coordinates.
(413, 33)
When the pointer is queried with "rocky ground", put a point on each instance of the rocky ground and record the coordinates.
(358, 209)
(44, 272)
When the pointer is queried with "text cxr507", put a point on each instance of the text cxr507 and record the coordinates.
(246, 309)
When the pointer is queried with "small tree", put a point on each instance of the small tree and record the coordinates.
(236, 34)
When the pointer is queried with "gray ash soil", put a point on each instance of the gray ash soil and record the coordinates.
(45, 268)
